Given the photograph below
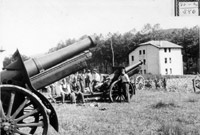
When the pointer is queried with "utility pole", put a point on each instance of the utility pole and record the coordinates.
(113, 55)
(198, 67)
(112, 50)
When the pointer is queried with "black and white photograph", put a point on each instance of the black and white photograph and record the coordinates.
(99, 67)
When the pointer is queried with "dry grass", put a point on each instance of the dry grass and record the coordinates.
(149, 113)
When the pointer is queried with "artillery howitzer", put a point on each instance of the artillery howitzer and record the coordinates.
(110, 87)
(23, 109)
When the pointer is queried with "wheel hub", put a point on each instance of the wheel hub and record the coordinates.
(7, 125)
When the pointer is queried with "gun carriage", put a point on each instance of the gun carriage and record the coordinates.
(116, 93)
(111, 89)
(23, 110)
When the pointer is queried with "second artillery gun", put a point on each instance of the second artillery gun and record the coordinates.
(110, 89)
(23, 110)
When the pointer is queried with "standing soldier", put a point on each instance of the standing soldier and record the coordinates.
(125, 80)
(81, 81)
(88, 80)
(96, 78)
(156, 83)
(164, 84)
(73, 77)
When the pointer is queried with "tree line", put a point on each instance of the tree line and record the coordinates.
(123, 44)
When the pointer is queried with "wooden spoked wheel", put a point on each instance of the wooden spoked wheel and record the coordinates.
(196, 83)
(21, 112)
(139, 82)
(117, 94)
(132, 90)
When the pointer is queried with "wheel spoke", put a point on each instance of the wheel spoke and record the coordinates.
(2, 114)
(11, 104)
(123, 98)
(21, 112)
(117, 98)
(20, 108)
(39, 124)
(28, 104)
(26, 115)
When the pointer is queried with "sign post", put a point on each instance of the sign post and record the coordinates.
(187, 7)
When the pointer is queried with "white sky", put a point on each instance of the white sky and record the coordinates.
(34, 26)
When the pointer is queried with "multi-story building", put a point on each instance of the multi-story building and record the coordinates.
(159, 57)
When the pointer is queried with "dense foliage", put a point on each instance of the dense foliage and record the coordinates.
(124, 43)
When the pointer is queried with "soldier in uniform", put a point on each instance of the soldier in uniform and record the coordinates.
(125, 80)
(57, 91)
(88, 80)
(96, 79)
(76, 93)
(81, 81)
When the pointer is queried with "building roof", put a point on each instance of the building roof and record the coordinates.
(161, 44)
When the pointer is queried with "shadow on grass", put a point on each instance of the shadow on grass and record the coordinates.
(162, 104)
(192, 99)
(197, 92)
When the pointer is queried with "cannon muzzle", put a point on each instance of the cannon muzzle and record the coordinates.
(37, 73)
(38, 64)
(130, 70)
(20, 72)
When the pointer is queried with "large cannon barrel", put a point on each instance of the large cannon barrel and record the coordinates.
(36, 65)
(60, 71)
(19, 72)
(130, 70)
(19, 82)
(133, 69)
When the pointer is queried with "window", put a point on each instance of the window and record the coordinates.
(143, 51)
(170, 71)
(132, 58)
(166, 71)
(145, 71)
(144, 61)
(140, 52)
(165, 49)
(170, 60)
(165, 60)
(169, 49)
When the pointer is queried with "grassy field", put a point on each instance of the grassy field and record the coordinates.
(150, 112)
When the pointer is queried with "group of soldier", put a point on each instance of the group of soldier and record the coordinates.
(75, 86)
